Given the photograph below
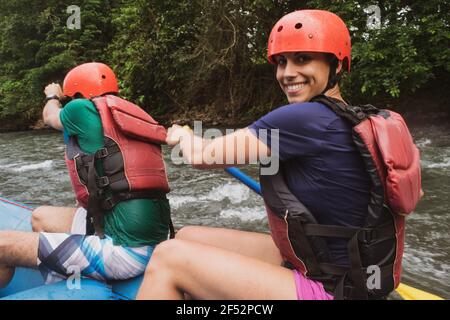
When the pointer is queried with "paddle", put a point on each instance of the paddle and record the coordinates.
(405, 291)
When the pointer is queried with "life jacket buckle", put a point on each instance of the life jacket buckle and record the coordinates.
(78, 160)
(103, 182)
(369, 235)
(101, 153)
(108, 204)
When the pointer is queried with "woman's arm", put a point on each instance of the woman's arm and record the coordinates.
(238, 148)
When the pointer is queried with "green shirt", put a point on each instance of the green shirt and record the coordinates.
(132, 223)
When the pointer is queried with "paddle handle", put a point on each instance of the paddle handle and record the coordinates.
(245, 179)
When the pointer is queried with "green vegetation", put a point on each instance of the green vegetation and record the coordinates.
(173, 56)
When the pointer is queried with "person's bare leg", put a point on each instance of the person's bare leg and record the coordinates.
(52, 219)
(6, 274)
(17, 248)
(251, 244)
(207, 272)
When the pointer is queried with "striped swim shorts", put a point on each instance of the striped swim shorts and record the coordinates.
(61, 255)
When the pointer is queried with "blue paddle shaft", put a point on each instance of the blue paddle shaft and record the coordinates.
(245, 179)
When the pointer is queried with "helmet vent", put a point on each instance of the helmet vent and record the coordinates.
(280, 28)
(298, 25)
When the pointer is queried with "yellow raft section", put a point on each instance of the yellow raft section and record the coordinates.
(410, 293)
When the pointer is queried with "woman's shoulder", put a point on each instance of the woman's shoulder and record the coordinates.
(308, 108)
(301, 112)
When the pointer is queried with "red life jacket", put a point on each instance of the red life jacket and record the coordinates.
(393, 164)
(131, 160)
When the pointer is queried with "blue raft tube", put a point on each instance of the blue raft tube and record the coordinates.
(28, 284)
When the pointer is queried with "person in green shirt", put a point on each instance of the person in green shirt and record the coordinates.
(61, 238)
(135, 222)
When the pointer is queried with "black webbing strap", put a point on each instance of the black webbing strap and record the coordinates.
(106, 151)
(356, 270)
(383, 232)
(110, 202)
(98, 204)
(330, 231)
(339, 289)
(82, 167)
(104, 181)
(358, 289)
(297, 234)
(94, 212)
(354, 114)
(333, 269)
(342, 290)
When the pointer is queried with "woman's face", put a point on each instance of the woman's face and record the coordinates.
(302, 75)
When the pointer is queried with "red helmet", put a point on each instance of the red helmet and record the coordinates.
(311, 30)
(90, 80)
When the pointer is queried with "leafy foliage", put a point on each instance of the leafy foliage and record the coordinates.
(172, 56)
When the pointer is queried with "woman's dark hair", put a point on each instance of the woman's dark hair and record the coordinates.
(333, 77)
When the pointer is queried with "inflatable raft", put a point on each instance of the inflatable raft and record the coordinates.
(28, 284)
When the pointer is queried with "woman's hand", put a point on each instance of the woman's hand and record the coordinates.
(176, 133)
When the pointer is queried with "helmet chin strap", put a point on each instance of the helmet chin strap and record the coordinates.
(333, 78)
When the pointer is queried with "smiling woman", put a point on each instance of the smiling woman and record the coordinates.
(306, 74)
(327, 214)
(310, 50)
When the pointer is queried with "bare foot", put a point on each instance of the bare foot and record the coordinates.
(6, 274)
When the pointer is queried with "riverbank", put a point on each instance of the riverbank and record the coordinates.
(426, 103)
(206, 116)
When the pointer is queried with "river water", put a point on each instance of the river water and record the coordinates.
(32, 171)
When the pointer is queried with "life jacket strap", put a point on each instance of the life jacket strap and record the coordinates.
(341, 288)
(366, 235)
(110, 202)
(302, 245)
(94, 219)
(106, 151)
(357, 275)
(354, 114)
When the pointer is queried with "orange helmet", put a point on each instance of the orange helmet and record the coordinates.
(311, 30)
(90, 80)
